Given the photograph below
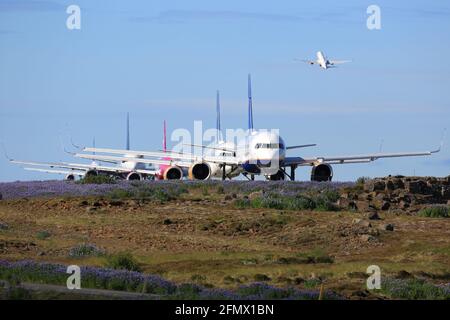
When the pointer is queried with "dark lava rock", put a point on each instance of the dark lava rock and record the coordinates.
(368, 238)
(402, 274)
(418, 186)
(374, 185)
(388, 227)
(4, 226)
(357, 275)
(83, 203)
(373, 215)
(385, 205)
(115, 203)
(167, 221)
(97, 204)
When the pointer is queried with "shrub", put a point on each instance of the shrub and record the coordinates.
(435, 212)
(242, 203)
(220, 190)
(302, 202)
(85, 250)
(413, 289)
(312, 283)
(120, 194)
(122, 261)
(316, 256)
(162, 196)
(198, 278)
(18, 293)
(261, 277)
(325, 201)
(362, 180)
(99, 179)
(42, 235)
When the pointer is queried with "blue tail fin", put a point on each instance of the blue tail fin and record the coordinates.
(218, 128)
(128, 132)
(250, 104)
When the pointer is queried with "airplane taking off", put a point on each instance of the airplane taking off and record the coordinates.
(129, 170)
(260, 152)
(324, 63)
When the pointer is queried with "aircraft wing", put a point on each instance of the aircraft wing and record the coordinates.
(64, 165)
(140, 154)
(66, 172)
(308, 61)
(75, 168)
(339, 61)
(362, 158)
(178, 162)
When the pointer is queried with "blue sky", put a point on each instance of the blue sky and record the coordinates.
(165, 60)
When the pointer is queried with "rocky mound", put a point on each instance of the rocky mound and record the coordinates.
(397, 194)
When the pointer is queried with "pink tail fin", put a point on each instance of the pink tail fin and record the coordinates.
(165, 138)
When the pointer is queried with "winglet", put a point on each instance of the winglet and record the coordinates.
(441, 145)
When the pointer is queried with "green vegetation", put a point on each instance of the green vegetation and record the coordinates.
(143, 192)
(316, 256)
(122, 261)
(313, 256)
(99, 179)
(85, 250)
(361, 180)
(42, 235)
(323, 201)
(435, 212)
(414, 289)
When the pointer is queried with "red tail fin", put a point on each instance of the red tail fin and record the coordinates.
(164, 138)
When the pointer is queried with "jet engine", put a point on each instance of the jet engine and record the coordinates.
(277, 176)
(199, 171)
(134, 176)
(173, 173)
(70, 177)
(322, 172)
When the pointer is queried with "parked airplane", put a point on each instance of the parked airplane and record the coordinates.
(129, 170)
(323, 62)
(178, 165)
(260, 152)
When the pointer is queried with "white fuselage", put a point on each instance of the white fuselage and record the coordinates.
(132, 165)
(261, 152)
(321, 60)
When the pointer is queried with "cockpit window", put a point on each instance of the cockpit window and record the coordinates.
(269, 146)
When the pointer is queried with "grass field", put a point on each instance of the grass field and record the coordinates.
(202, 236)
